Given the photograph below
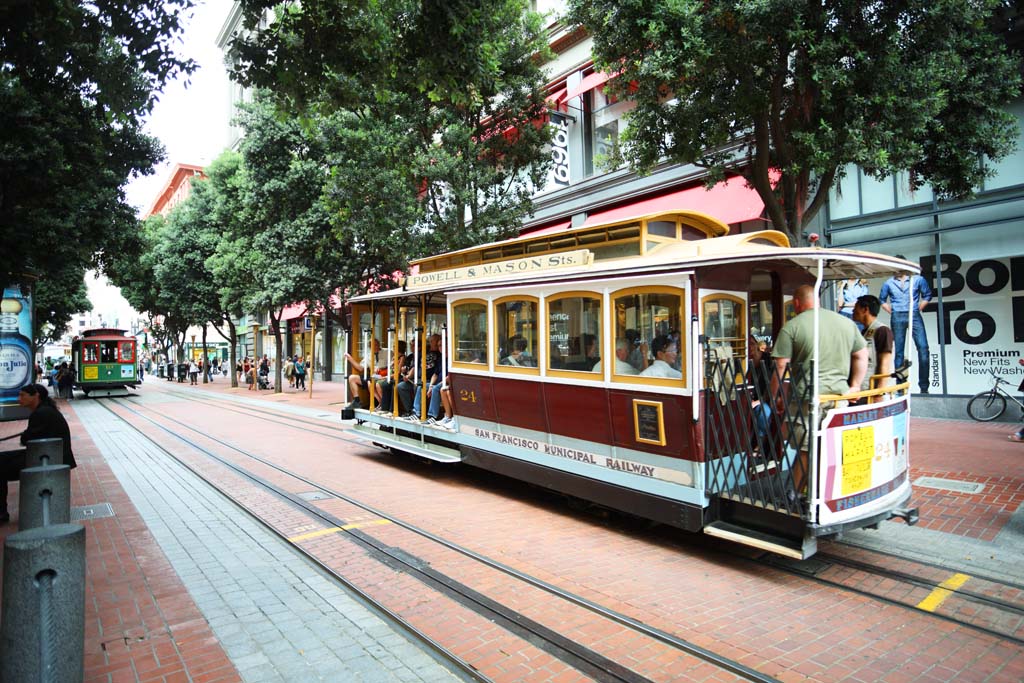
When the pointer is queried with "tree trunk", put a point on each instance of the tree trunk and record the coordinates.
(233, 353)
(206, 358)
(278, 373)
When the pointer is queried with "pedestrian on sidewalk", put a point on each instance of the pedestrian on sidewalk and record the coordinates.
(193, 372)
(1018, 436)
(65, 381)
(300, 373)
(289, 371)
(44, 422)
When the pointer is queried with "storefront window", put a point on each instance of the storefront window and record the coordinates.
(574, 333)
(339, 344)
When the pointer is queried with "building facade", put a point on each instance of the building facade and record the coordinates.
(970, 252)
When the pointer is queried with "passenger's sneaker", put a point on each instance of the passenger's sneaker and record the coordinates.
(431, 421)
(355, 404)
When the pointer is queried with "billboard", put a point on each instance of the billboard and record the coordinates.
(15, 350)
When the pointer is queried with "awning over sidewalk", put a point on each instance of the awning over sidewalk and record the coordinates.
(589, 82)
(730, 201)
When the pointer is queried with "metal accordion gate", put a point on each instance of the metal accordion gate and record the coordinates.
(751, 448)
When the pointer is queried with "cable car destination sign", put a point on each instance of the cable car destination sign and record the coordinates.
(483, 271)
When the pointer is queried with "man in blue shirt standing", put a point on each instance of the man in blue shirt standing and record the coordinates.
(895, 295)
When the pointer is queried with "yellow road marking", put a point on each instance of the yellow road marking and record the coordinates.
(943, 591)
(336, 529)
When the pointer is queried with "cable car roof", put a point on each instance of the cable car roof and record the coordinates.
(762, 246)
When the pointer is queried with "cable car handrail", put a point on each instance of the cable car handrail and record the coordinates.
(824, 398)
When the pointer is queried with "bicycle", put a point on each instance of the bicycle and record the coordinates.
(989, 405)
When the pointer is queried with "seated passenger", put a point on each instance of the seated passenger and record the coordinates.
(434, 371)
(622, 364)
(665, 353)
(356, 379)
(638, 350)
(384, 386)
(591, 353)
(557, 360)
(518, 356)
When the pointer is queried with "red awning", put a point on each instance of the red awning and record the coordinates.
(292, 311)
(730, 201)
(556, 99)
(589, 82)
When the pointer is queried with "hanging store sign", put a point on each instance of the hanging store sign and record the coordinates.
(559, 149)
(483, 271)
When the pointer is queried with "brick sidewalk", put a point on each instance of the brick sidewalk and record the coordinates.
(140, 623)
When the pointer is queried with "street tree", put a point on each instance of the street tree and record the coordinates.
(219, 203)
(788, 94)
(76, 80)
(135, 272)
(57, 295)
(451, 91)
(281, 244)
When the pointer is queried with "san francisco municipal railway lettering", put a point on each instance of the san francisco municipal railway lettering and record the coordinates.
(568, 453)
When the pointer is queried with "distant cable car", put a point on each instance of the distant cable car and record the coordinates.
(106, 362)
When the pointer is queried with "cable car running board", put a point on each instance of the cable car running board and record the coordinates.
(758, 539)
(423, 449)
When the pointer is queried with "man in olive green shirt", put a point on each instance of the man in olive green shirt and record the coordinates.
(842, 362)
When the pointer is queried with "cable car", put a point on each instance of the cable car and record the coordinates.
(611, 362)
(106, 362)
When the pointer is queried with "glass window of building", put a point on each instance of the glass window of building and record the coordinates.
(604, 125)
(469, 333)
(515, 322)
(574, 333)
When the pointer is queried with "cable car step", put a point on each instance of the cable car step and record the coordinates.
(779, 545)
(422, 448)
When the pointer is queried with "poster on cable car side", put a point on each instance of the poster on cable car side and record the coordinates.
(863, 459)
(15, 350)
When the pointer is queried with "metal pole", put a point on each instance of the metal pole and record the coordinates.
(312, 353)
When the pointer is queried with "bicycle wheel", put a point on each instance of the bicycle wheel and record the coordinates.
(986, 406)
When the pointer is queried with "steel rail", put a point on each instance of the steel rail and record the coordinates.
(656, 634)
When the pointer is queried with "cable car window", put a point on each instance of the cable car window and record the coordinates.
(127, 354)
(662, 228)
(515, 322)
(469, 332)
(90, 352)
(724, 326)
(574, 333)
(648, 343)
(108, 352)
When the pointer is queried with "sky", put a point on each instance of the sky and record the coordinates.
(190, 119)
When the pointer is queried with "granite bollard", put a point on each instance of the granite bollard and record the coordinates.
(42, 625)
(44, 496)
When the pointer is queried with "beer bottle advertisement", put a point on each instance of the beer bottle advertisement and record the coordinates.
(15, 344)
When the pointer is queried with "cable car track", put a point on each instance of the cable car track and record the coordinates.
(823, 562)
(785, 565)
(573, 654)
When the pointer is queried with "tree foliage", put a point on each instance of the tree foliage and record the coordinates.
(76, 79)
(804, 88)
(431, 109)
